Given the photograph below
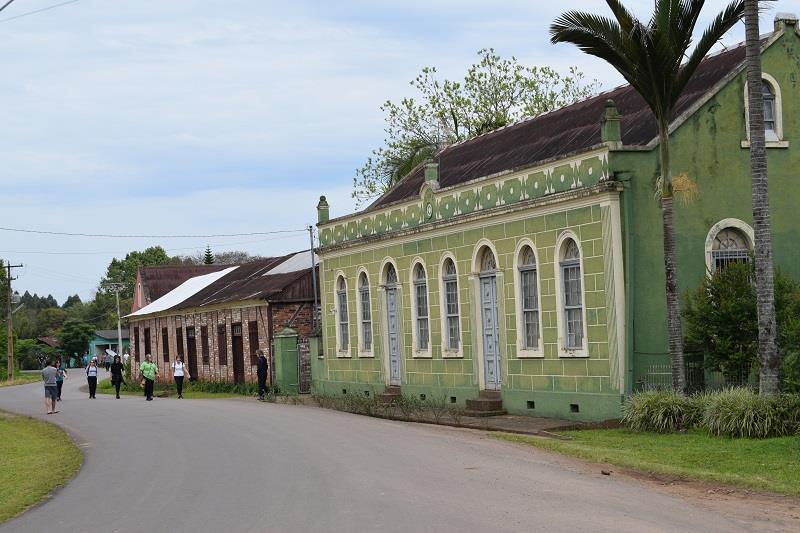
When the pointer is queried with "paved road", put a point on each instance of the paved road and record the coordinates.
(241, 466)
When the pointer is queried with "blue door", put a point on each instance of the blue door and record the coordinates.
(491, 341)
(394, 336)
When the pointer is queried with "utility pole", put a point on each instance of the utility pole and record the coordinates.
(9, 268)
(116, 287)
(314, 325)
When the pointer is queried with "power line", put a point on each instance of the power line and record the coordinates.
(48, 8)
(112, 236)
(197, 247)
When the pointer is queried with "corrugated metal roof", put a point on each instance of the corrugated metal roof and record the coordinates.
(258, 280)
(567, 130)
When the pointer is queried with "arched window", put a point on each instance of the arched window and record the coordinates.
(529, 298)
(341, 298)
(572, 299)
(366, 312)
(391, 275)
(450, 286)
(729, 246)
(773, 120)
(770, 112)
(488, 262)
(421, 307)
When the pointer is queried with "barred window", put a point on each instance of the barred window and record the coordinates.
(366, 313)
(204, 344)
(421, 307)
(341, 296)
(572, 297)
(729, 246)
(529, 298)
(450, 281)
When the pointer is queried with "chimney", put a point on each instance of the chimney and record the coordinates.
(432, 174)
(323, 211)
(610, 130)
(785, 19)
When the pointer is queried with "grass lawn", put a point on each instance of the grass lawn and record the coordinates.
(766, 464)
(21, 378)
(105, 387)
(36, 458)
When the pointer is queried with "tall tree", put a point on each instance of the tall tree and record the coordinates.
(74, 337)
(649, 56)
(124, 270)
(494, 93)
(208, 256)
(769, 359)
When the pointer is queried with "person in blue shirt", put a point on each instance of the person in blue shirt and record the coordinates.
(61, 373)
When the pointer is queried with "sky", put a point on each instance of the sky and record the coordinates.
(200, 117)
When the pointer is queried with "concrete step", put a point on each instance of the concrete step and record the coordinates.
(485, 414)
(488, 403)
(390, 394)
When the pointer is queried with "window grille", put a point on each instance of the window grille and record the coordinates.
(341, 294)
(366, 313)
(450, 280)
(529, 298)
(421, 293)
(572, 298)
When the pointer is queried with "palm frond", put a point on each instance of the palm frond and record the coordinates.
(723, 22)
(598, 36)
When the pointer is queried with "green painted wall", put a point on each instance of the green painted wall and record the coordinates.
(708, 148)
(550, 381)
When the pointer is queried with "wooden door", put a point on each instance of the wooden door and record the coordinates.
(491, 344)
(392, 322)
(238, 353)
(191, 347)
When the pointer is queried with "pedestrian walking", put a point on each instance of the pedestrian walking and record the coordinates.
(179, 372)
(91, 377)
(61, 374)
(261, 373)
(149, 372)
(50, 389)
(108, 363)
(116, 374)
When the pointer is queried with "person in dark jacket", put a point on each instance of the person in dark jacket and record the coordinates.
(116, 374)
(261, 373)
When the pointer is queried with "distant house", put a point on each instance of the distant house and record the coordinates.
(153, 282)
(217, 319)
(49, 341)
(107, 339)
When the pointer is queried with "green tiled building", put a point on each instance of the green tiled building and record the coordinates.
(526, 264)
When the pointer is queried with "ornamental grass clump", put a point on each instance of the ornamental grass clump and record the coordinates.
(740, 412)
(658, 411)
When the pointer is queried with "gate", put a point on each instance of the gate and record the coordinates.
(304, 365)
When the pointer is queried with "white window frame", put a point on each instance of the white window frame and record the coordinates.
(362, 327)
(563, 350)
(447, 351)
(522, 350)
(771, 142)
(725, 223)
(341, 349)
(416, 350)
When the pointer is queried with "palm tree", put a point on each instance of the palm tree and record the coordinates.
(650, 57)
(769, 381)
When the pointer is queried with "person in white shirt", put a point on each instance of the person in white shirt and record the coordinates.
(91, 377)
(179, 371)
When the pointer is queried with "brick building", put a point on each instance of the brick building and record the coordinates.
(217, 320)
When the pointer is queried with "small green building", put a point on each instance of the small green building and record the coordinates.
(524, 267)
(106, 339)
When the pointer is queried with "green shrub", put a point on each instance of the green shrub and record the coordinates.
(740, 412)
(658, 411)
